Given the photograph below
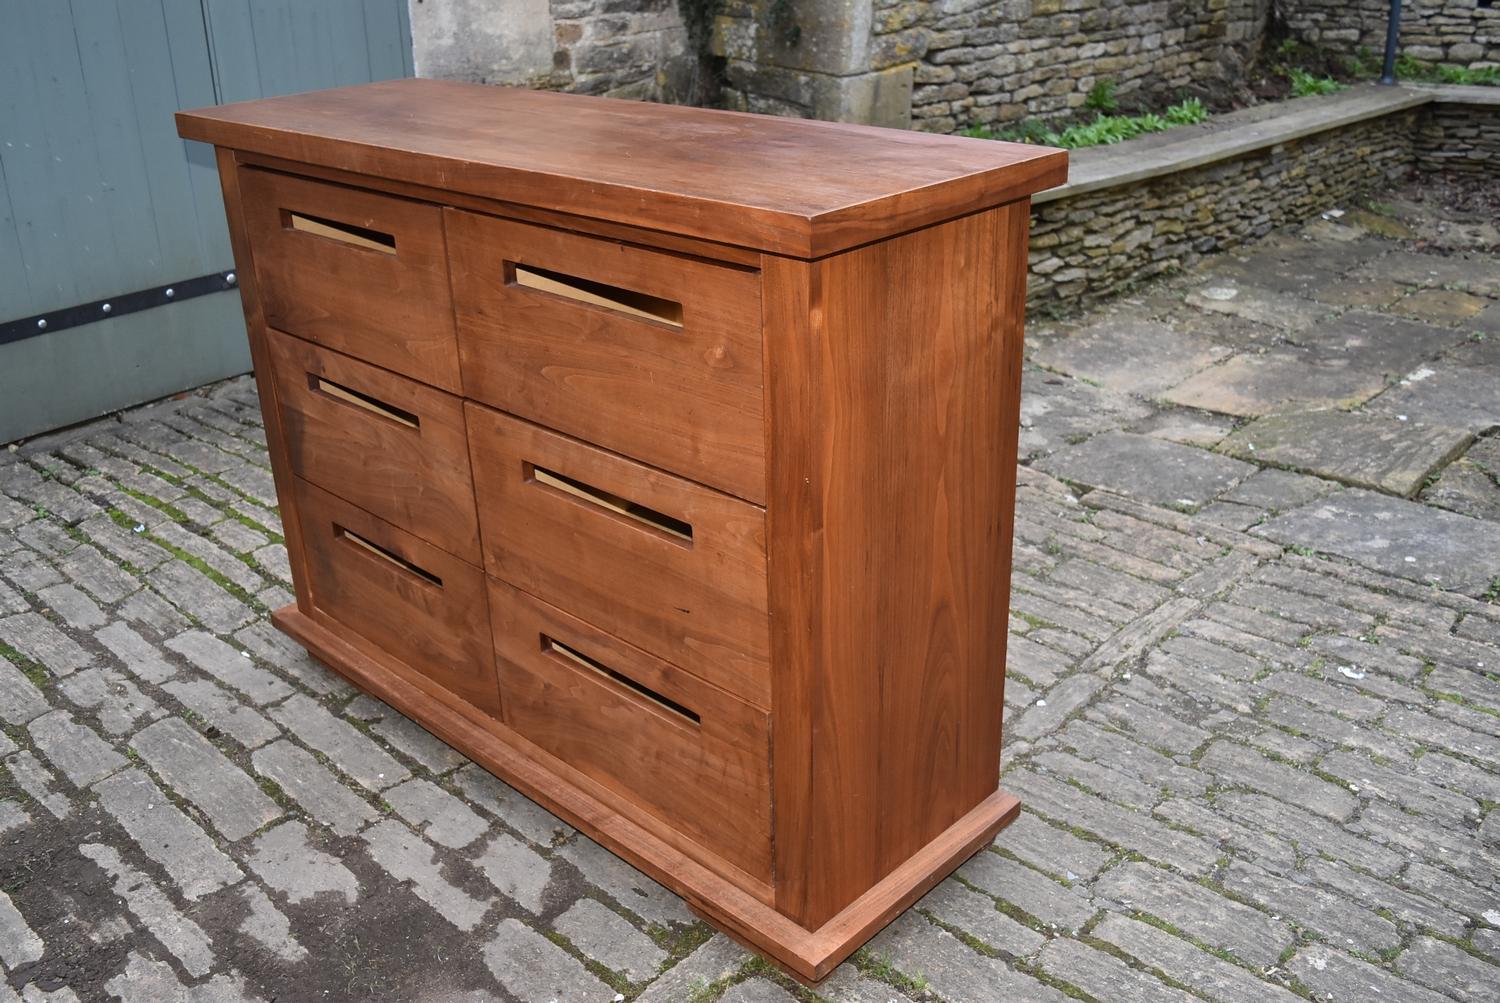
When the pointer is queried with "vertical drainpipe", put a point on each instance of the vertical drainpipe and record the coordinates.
(1392, 29)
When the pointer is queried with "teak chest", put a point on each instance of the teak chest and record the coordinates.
(660, 459)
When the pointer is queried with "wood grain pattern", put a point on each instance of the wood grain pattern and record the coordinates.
(895, 452)
(700, 604)
(785, 186)
(412, 471)
(390, 309)
(439, 629)
(686, 397)
(514, 210)
(708, 778)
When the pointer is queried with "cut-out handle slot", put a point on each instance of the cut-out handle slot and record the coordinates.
(345, 233)
(676, 529)
(578, 659)
(365, 402)
(626, 301)
(349, 536)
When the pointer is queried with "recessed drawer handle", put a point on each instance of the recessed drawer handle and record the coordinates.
(626, 301)
(578, 659)
(345, 233)
(660, 522)
(376, 549)
(365, 402)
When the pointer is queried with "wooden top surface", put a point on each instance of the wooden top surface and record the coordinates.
(786, 186)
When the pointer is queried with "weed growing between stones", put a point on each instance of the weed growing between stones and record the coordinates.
(1305, 84)
(1103, 130)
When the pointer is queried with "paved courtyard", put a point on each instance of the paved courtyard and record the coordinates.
(1253, 708)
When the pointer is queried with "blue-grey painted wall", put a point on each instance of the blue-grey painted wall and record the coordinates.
(98, 196)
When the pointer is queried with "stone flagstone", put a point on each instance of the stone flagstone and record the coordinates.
(1368, 451)
(1450, 393)
(1376, 342)
(1262, 306)
(1283, 378)
(1154, 470)
(1470, 485)
(1056, 410)
(1397, 537)
(1127, 355)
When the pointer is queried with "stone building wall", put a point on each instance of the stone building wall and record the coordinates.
(977, 61)
(1090, 246)
(985, 62)
(619, 48)
(1460, 32)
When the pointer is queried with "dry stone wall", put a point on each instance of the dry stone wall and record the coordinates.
(980, 62)
(1093, 245)
(1460, 32)
(1461, 137)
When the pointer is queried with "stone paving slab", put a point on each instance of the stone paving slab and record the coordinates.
(1286, 378)
(1397, 537)
(1261, 306)
(1471, 486)
(1364, 450)
(1146, 467)
(1456, 393)
(1377, 342)
(1129, 355)
(1056, 411)
(1256, 745)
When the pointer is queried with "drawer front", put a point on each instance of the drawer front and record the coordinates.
(362, 273)
(417, 603)
(390, 445)
(654, 355)
(684, 751)
(666, 564)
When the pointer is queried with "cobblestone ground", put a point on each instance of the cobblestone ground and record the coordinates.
(1254, 715)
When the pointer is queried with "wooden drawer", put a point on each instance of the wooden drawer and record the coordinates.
(362, 273)
(420, 604)
(652, 354)
(684, 751)
(390, 445)
(666, 564)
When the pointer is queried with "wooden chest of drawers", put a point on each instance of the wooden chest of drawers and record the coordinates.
(660, 459)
